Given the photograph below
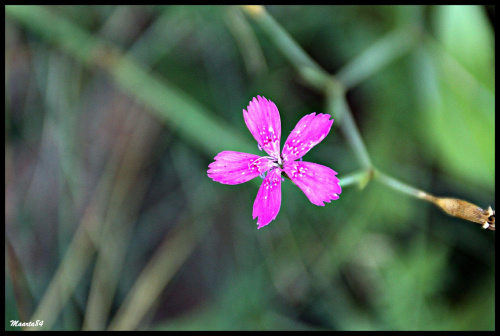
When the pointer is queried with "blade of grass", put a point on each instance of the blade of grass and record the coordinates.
(117, 226)
(162, 267)
(175, 249)
(22, 291)
(251, 52)
(194, 122)
(75, 261)
(79, 253)
(170, 28)
(384, 51)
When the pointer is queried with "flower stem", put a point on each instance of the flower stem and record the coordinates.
(400, 186)
(280, 37)
(351, 133)
(359, 177)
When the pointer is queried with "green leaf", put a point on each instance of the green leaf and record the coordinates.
(467, 35)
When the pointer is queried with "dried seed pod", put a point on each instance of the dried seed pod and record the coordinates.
(466, 210)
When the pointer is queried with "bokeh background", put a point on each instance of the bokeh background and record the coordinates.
(113, 114)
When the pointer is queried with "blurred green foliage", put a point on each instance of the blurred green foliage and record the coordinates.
(113, 114)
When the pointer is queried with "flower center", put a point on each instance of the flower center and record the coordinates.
(276, 162)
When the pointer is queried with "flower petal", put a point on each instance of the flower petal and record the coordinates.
(268, 201)
(309, 131)
(318, 182)
(234, 167)
(263, 120)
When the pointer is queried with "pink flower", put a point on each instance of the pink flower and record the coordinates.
(262, 118)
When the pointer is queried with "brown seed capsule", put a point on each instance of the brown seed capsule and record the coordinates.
(466, 210)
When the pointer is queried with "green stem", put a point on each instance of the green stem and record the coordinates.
(280, 37)
(352, 134)
(359, 177)
(400, 186)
